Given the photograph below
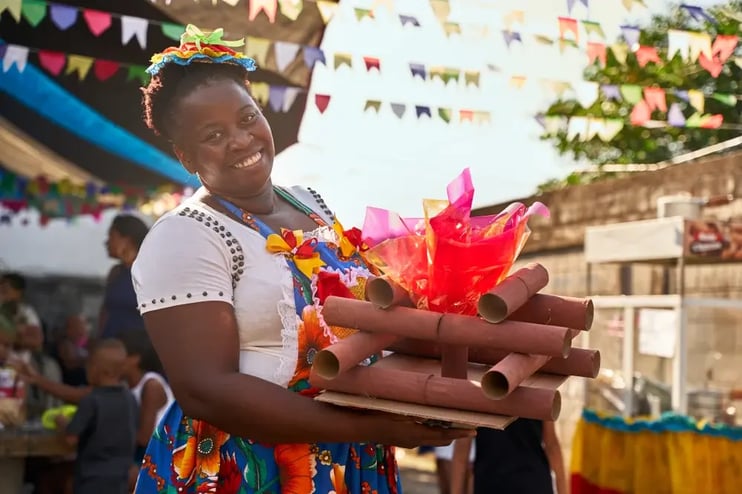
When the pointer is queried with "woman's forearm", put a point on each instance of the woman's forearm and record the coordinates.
(66, 393)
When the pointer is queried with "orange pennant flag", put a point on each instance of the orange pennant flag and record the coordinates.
(646, 54)
(596, 51)
(655, 98)
(270, 7)
(641, 113)
(724, 46)
(568, 25)
(466, 115)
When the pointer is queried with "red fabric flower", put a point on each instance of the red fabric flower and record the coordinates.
(330, 284)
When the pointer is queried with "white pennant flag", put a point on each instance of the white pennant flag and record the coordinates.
(289, 97)
(577, 128)
(285, 53)
(611, 127)
(678, 42)
(15, 55)
(134, 27)
(699, 43)
(586, 93)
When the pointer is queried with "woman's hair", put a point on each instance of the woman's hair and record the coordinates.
(131, 227)
(137, 342)
(174, 82)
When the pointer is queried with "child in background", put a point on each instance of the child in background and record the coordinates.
(104, 426)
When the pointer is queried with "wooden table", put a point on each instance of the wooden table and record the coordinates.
(18, 444)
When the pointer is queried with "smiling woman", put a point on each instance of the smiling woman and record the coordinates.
(231, 285)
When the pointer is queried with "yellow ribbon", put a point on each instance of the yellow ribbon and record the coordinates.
(345, 246)
(306, 262)
(194, 35)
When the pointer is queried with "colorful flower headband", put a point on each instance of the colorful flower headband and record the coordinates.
(197, 46)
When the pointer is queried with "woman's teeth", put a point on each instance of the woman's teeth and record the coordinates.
(251, 160)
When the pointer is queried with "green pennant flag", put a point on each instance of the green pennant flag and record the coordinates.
(450, 75)
(631, 93)
(372, 104)
(362, 13)
(172, 31)
(593, 27)
(727, 99)
(471, 77)
(343, 59)
(695, 120)
(138, 72)
(33, 11)
(445, 114)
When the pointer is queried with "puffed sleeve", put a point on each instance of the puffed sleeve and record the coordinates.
(181, 262)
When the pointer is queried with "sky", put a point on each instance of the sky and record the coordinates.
(357, 159)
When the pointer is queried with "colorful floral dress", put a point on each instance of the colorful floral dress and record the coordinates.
(191, 456)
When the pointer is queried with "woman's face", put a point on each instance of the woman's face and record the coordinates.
(222, 135)
(115, 243)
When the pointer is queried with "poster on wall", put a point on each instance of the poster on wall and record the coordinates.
(657, 332)
(712, 239)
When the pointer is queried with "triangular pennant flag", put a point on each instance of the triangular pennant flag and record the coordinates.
(98, 22)
(738, 62)
(289, 97)
(513, 17)
(260, 92)
(471, 77)
(79, 64)
(712, 121)
(33, 11)
(727, 99)
(388, 4)
(611, 92)
(517, 81)
(699, 43)
(566, 43)
(482, 117)
(441, 9)
(417, 69)
(291, 8)
(696, 99)
(568, 25)
(322, 101)
(570, 5)
(540, 118)
(137, 72)
(553, 125)
(373, 105)
(451, 28)
(445, 114)
(592, 27)
(257, 49)
(629, 4)
(450, 74)
(631, 93)
(105, 69)
(594, 126)
(698, 13)
(372, 63)
(682, 94)
(655, 98)
(134, 27)
(63, 16)
(557, 87)
(12, 6)
(53, 61)
(641, 113)
(724, 46)
(363, 13)
(466, 116)
(577, 128)
(172, 31)
(313, 55)
(436, 72)
(678, 42)
(510, 36)
(422, 110)
(675, 116)
(408, 19)
(610, 129)
(597, 51)
(285, 53)
(398, 109)
(620, 53)
(275, 97)
(646, 54)
(694, 120)
(343, 59)
(713, 67)
(586, 93)
(326, 10)
(631, 36)
(269, 7)
(542, 40)
(15, 55)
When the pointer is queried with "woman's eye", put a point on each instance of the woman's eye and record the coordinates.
(248, 119)
(213, 136)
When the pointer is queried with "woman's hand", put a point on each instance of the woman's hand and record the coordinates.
(408, 432)
(26, 372)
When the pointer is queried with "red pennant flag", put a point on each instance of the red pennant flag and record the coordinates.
(53, 61)
(713, 122)
(641, 113)
(98, 22)
(372, 63)
(466, 115)
(713, 66)
(105, 69)
(655, 98)
(646, 54)
(596, 51)
(724, 46)
(322, 100)
(568, 25)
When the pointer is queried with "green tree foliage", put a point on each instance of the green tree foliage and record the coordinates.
(635, 144)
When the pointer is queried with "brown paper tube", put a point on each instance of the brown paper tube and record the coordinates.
(349, 352)
(507, 374)
(454, 361)
(569, 312)
(581, 362)
(455, 329)
(444, 392)
(512, 292)
(384, 293)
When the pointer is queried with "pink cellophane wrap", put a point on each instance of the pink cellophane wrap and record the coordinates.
(448, 258)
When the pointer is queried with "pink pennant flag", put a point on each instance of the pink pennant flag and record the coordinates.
(53, 61)
(724, 46)
(568, 25)
(372, 63)
(105, 69)
(655, 98)
(98, 22)
(270, 7)
(641, 113)
(714, 66)
(712, 121)
(596, 51)
(322, 101)
(646, 54)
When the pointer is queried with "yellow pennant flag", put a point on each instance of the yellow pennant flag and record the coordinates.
(696, 99)
(326, 10)
(260, 92)
(699, 43)
(291, 8)
(518, 81)
(621, 52)
(79, 64)
(12, 6)
(257, 49)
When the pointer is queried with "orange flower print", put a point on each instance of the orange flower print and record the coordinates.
(200, 454)
(296, 468)
(337, 476)
(312, 339)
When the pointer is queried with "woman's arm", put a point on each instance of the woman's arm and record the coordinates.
(153, 398)
(553, 450)
(64, 392)
(199, 347)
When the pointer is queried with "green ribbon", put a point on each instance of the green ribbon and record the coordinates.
(194, 35)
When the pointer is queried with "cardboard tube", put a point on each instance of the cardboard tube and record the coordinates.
(384, 293)
(349, 352)
(454, 361)
(445, 392)
(453, 329)
(569, 312)
(507, 374)
(511, 293)
(581, 362)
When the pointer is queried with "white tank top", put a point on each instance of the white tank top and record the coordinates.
(137, 392)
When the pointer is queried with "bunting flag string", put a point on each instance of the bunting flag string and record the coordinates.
(279, 98)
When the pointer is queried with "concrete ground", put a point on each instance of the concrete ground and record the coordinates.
(417, 472)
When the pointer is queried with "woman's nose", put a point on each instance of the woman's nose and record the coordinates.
(241, 139)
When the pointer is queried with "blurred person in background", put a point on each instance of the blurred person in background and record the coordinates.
(13, 307)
